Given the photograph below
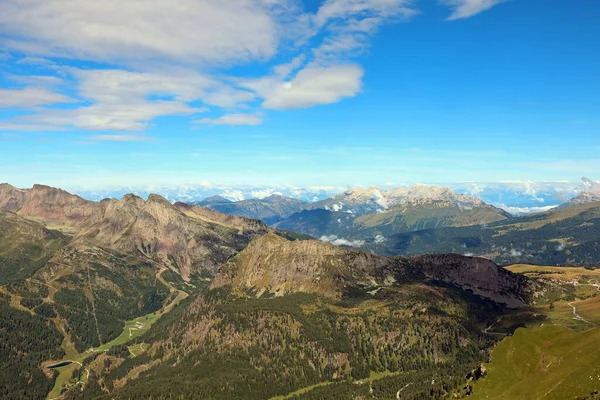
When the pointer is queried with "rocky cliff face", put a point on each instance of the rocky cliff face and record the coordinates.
(276, 265)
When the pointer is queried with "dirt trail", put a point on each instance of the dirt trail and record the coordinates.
(577, 316)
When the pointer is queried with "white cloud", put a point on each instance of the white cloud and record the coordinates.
(27, 127)
(590, 186)
(380, 239)
(515, 253)
(333, 239)
(232, 119)
(235, 195)
(336, 207)
(187, 31)
(107, 116)
(314, 85)
(284, 70)
(120, 100)
(164, 56)
(350, 14)
(30, 97)
(261, 194)
(35, 61)
(468, 8)
(37, 80)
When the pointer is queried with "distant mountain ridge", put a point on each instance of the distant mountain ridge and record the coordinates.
(581, 199)
(366, 201)
(365, 213)
(269, 209)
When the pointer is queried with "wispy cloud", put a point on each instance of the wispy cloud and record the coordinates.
(232, 119)
(35, 61)
(30, 97)
(120, 138)
(468, 8)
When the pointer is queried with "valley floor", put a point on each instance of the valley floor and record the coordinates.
(132, 330)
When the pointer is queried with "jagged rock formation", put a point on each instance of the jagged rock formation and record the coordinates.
(481, 276)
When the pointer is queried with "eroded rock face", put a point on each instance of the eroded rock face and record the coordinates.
(46, 204)
(279, 266)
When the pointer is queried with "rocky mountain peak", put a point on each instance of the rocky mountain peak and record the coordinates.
(156, 198)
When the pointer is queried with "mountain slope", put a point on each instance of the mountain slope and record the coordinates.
(354, 201)
(368, 201)
(320, 222)
(190, 240)
(25, 246)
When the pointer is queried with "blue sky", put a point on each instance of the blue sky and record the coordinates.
(274, 92)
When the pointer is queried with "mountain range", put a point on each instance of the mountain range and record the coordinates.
(127, 298)
(360, 214)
